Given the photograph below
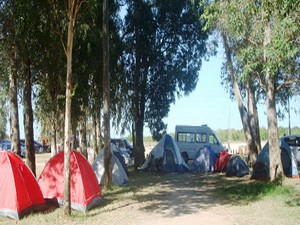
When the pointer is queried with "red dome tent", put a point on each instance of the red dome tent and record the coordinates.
(19, 191)
(221, 163)
(85, 191)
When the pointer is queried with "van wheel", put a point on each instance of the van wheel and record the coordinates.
(185, 156)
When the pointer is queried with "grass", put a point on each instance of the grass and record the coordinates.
(249, 191)
(158, 191)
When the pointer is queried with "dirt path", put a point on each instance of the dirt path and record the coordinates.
(175, 199)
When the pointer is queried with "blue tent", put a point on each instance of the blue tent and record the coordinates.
(165, 157)
(236, 167)
(261, 168)
(205, 159)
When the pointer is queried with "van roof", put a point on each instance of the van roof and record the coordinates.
(189, 128)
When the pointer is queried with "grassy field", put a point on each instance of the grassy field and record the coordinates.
(151, 198)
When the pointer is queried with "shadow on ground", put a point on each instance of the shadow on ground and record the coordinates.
(180, 194)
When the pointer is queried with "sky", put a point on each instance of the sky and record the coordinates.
(210, 104)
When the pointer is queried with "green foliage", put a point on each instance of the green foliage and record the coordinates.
(172, 47)
(235, 135)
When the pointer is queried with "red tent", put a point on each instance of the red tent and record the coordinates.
(19, 190)
(85, 191)
(221, 163)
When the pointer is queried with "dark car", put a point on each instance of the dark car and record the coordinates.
(294, 142)
(5, 146)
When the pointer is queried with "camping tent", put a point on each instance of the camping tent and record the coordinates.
(165, 157)
(236, 166)
(221, 162)
(85, 191)
(261, 167)
(119, 176)
(204, 161)
(19, 191)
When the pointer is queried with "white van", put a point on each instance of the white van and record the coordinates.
(191, 138)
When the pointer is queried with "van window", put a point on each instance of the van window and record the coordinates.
(213, 139)
(201, 137)
(185, 137)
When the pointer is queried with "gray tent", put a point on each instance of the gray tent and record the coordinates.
(165, 157)
(236, 166)
(119, 176)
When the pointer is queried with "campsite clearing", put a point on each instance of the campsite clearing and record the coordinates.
(151, 198)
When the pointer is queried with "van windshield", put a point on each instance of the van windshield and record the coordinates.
(213, 139)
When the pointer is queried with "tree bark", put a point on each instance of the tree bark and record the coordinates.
(253, 118)
(276, 170)
(53, 137)
(106, 98)
(82, 136)
(98, 129)
(96, 145)
(68, 129)
(138, 144)
(28, 115)
(242, 109)
(14, 112)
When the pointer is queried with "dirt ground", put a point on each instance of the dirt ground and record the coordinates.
(174, 199)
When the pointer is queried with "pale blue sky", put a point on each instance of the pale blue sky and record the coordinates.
(210, 104)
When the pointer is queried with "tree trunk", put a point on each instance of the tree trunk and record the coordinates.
(106, 98)
(82, 136)
(242, 109)
(98, 129)
(138, 144)
(53, 134)
(96, 146)
(14, 112)
(253, 119)
(139, 149)
(68, 129)
(28, 116)
(274, 150)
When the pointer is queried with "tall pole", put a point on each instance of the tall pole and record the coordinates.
(289, 114)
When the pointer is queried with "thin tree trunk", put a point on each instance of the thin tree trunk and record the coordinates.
(82, 136)
(14, 112)
(28, 116)
(98, 129)
(253, 118)
(242, 110)
(274, 151)
(68, 129)
(96, 146)
(106, 99)
(53, 134)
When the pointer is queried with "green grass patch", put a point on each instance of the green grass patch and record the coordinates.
(247, 191)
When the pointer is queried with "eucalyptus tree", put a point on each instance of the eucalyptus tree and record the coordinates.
(264, 36)
(3, 110)
(9, 49)
(29, 30)
(164, 47)
(3, 75)
(88, 75)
